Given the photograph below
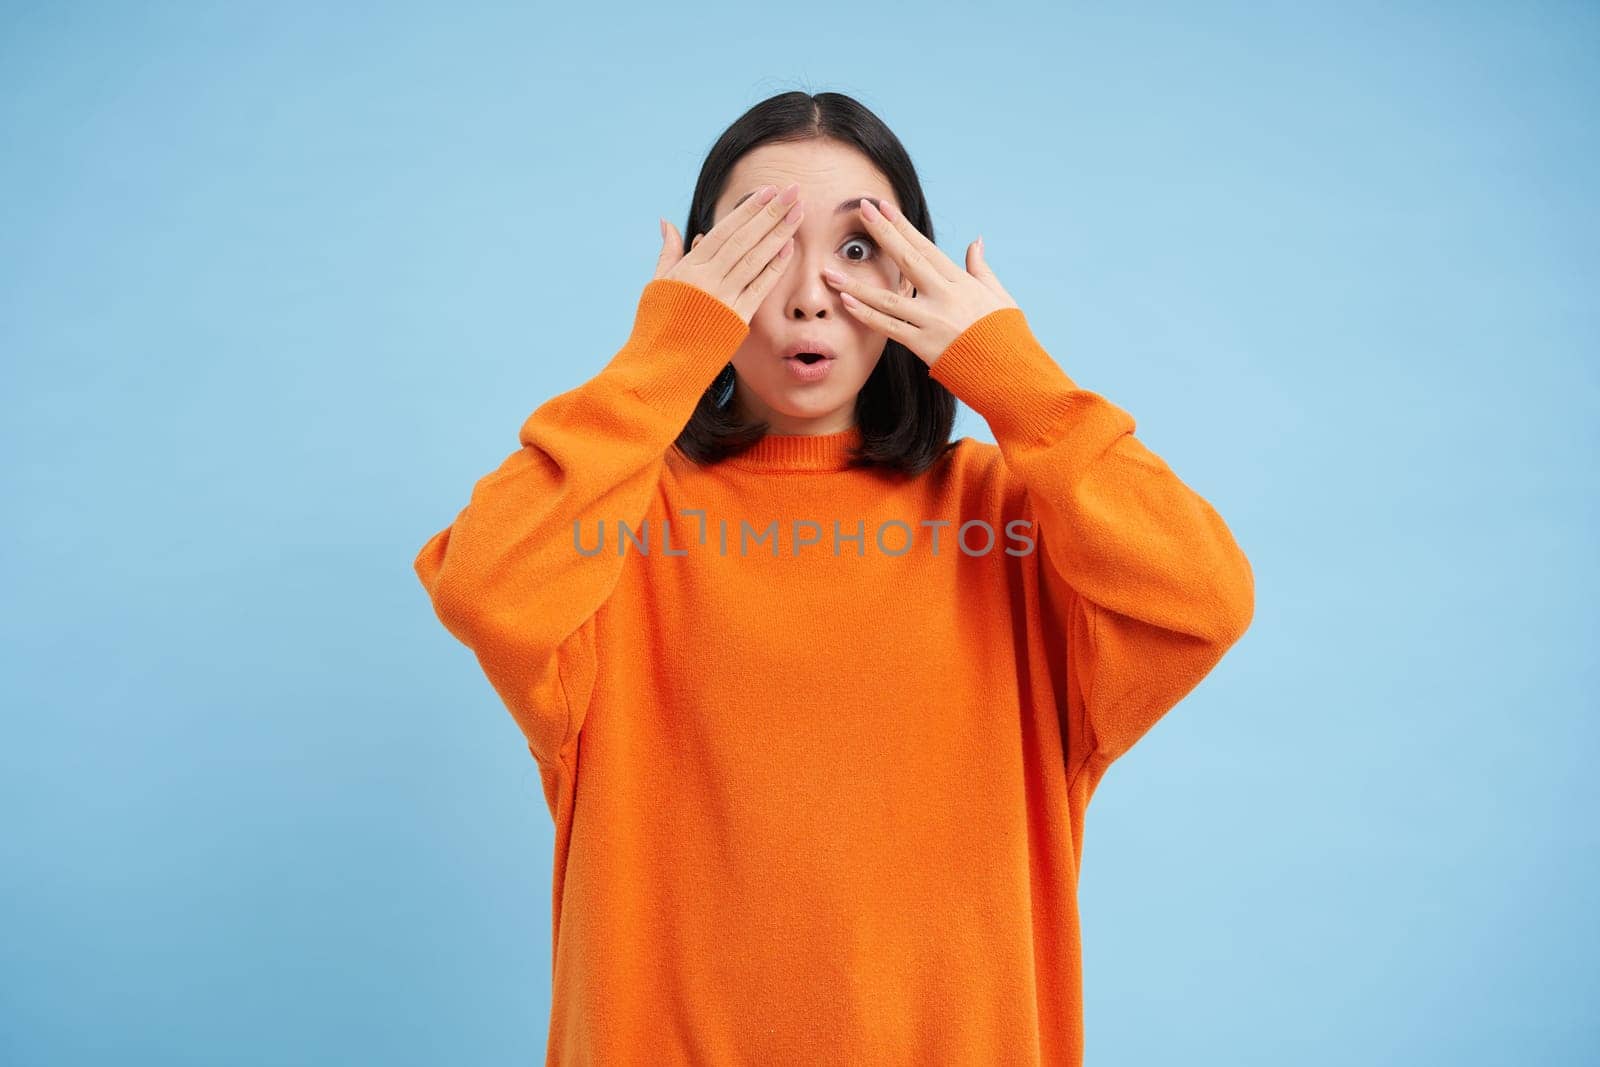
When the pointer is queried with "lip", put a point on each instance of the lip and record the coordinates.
(808, 372)
(822, 348)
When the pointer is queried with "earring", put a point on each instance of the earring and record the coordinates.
(722, 387)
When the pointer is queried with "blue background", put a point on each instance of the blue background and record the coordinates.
(281, 282)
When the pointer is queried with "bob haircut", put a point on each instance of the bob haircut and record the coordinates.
(905, 416)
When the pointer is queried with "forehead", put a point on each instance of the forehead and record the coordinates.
(822, 167)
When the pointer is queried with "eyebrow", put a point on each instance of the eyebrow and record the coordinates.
(844, 207)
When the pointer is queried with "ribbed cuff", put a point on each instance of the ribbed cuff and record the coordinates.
(682, 337)
(1001, 371)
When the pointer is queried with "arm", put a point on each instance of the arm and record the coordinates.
(1139, 574)
(506, 577)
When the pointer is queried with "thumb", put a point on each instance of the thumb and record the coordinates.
(978, 267)
(671, 248)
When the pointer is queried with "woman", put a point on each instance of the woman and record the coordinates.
(819, 697)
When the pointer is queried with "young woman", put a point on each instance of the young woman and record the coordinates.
(819, 697)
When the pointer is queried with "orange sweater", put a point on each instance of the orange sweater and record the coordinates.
(819, 787)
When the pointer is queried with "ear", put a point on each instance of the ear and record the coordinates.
(906, 288)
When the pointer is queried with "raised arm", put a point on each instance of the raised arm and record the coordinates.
(506, 577)
(1141, 579)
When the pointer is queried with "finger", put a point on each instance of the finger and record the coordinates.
(754, 262)
(783, 212)
(985, 274)
(897, 329)
(978, 268)
(671, 249)
(742, 212)
(919, 258)
(756, 292)
(901, 306)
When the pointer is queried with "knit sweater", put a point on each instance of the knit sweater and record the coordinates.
(817, 741)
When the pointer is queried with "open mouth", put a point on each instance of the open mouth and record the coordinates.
(808, 366)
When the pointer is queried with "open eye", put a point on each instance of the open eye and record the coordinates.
(861, 239)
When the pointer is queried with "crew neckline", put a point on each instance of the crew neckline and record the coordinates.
(800, 451)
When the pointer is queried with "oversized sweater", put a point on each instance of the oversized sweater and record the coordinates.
(818, 742)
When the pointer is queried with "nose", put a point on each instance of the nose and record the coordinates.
(808, 294)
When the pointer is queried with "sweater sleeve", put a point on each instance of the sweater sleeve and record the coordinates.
(1141, 580)
(506, 577)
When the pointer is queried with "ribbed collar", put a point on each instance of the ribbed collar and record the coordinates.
(799, 452)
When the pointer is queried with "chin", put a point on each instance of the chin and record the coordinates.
(819, 399)
(815, 409)
(774, 388)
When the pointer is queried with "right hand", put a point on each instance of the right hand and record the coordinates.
(743, 256)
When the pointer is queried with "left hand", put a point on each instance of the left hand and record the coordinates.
(949, 299)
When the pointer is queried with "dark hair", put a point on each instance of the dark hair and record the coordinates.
(905, 416)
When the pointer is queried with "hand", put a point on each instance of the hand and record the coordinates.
(743, 256)
(948, 298)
